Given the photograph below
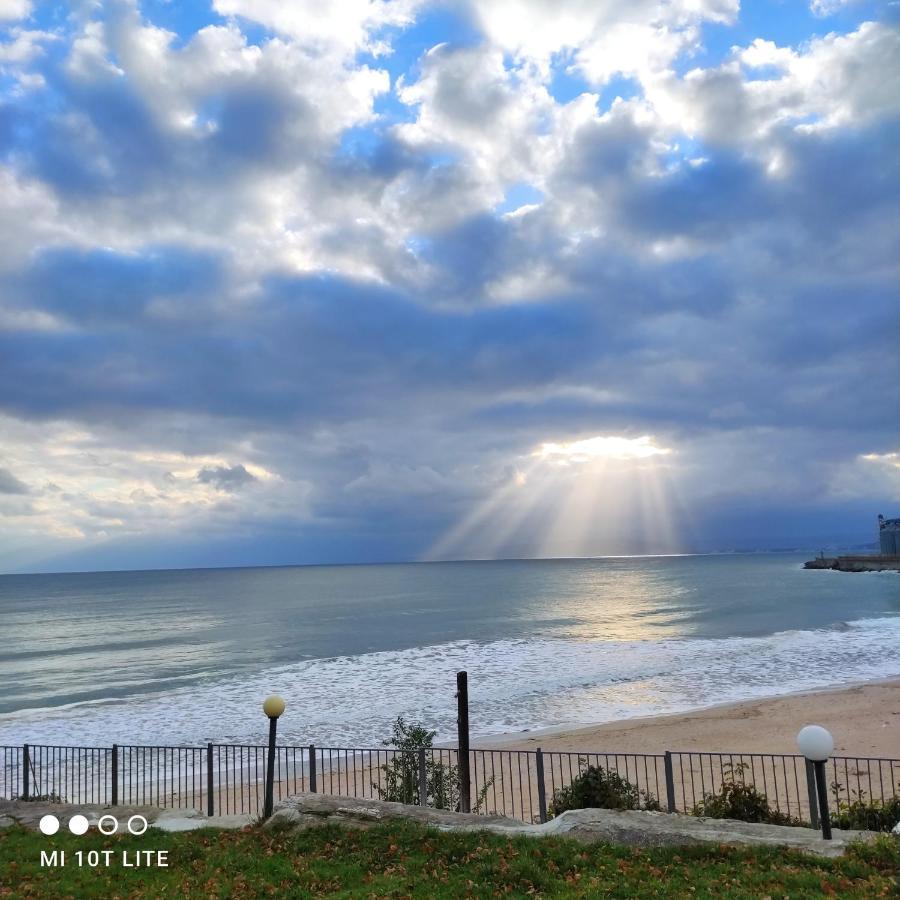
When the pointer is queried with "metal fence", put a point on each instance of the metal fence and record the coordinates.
(229, 778)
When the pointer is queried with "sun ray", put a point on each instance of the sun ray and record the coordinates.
(604, 495)
(500, 500)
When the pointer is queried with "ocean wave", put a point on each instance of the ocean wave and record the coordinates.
(515, 685)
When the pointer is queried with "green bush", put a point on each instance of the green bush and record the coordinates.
(883, 853)
(598, 788)
(736, 799)
(401, 774)
(861, 814)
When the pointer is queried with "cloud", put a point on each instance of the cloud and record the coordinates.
(14, 9)
(825, 8)
(604, 37)
(105, 287)
(226, 478)
(839, 80)
(9, 484)
(259, 278)
(345, 25)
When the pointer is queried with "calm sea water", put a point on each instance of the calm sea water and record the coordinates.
(187, 656)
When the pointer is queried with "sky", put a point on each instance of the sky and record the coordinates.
(381, 280)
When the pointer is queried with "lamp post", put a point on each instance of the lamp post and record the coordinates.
(817, 745)
(273, 707)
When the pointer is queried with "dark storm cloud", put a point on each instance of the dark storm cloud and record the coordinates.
(317, 348)
(101, 287)
(226, 478)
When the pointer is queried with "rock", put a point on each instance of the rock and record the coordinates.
(896, 829)
(657, 829)
(631, 828)
(317, 809)
(821, 562)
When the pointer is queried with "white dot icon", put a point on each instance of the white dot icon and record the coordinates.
(78, 824)
(49, 825)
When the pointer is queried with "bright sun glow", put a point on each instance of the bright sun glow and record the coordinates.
(601, 447)
(606, 494)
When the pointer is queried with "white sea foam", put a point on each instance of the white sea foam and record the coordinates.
(514, 685)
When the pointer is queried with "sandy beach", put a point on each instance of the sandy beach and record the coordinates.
(864, 719)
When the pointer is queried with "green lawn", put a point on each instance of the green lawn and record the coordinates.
(408, 861)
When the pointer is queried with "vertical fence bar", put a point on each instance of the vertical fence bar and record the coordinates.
(115, 775)
(811, 793)
(26, 764)
(670, 781)
(210, 801)
(541, 787)
(423, 779)
(312, 768)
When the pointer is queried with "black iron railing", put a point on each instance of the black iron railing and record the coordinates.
(229, 778)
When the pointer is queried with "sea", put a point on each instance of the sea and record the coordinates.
(187, 656)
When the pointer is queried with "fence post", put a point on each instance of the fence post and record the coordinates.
(26, 766)
(462, 730)
(811, 793)
(114, 793)
(670, 781)
(210, 801)
(423, 779)
(312, 768)
(541, 786)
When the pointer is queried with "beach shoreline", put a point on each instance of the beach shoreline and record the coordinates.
(864, 718)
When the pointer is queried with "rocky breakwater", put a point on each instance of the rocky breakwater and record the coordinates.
(855, 563)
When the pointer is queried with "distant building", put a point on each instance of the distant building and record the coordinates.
(889, 536)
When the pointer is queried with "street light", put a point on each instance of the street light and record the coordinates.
(273, 707)
(817, 745)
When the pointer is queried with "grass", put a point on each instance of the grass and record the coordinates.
(409, 861)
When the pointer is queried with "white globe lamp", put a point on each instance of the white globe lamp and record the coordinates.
(817, 745)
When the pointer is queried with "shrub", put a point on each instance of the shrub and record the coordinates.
(862, 814)
(598, 788)
(883, 853)
(736, 799)
(401, 773)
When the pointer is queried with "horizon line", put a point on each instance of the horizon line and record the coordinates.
(413, 562)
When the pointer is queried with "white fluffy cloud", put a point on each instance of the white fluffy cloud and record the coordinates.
(501, 123)
(601, 38)
(343, 25)
(14, 9)
(835, 81)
